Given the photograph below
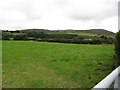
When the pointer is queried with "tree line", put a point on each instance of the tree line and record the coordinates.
(57, 37)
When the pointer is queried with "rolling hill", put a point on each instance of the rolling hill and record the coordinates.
(91, 31)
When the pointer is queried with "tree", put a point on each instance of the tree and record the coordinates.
(40, 35)
(21, 36)
(6, 35)
(117, 48)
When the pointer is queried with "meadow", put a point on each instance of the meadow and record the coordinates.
(31, 64)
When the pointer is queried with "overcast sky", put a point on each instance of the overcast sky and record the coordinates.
(59, 14)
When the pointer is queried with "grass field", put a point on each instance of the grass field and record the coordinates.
(30, 64)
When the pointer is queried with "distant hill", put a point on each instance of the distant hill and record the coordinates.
(91, 31)
(36, 30)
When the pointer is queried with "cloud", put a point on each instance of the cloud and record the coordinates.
(62, 3)
(30, 8)
(91, 9)
(58, 14)
(110, 24)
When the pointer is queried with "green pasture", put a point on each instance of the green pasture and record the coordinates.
(31, 64)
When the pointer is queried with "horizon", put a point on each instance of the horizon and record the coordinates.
(57, 30)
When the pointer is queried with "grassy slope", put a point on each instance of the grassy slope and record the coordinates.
(37, 64)
(80, 32)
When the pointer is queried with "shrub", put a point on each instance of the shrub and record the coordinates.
(21, 36)
(6, 35)
(117, 48)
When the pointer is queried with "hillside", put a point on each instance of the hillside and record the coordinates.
(91, 31)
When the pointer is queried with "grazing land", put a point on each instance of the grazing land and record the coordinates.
(31, 64)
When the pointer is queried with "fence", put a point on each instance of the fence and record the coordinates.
(112, 78)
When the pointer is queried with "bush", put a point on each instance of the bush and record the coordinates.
(21, 36)
(117, 48)
(6, 35)
(96, 41)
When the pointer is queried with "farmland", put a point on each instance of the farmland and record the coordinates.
(31, 64)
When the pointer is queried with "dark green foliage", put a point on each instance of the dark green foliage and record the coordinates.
(31, 34)
(117, 48)
(21, 36)
(58, 36)
(0, 35)
(6, 35)
(40, 35)
(103, 36)
(17, 31)
(96, 41)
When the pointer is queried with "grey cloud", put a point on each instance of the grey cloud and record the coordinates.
(62, 2)
(62, 13)
(30, 11)
(98, 10)
(26, 7)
